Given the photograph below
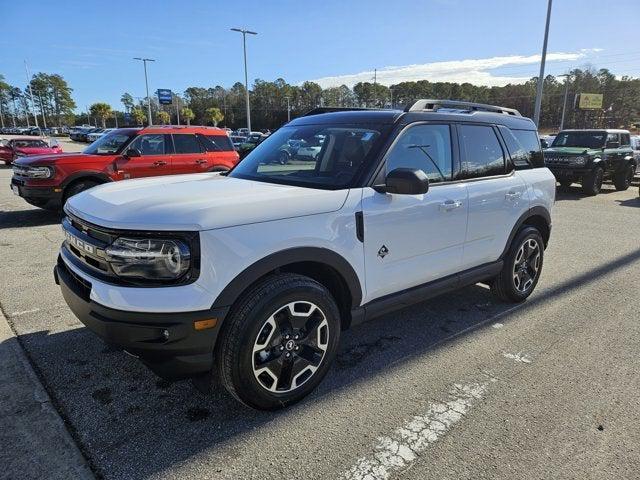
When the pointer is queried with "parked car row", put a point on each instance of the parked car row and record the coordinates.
(81, 134)
(15, 148)
(34, 131)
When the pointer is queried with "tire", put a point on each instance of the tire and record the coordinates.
(622, 180)
(283, 158)
(77, 187)
(278, 342)
(592, 181)
(521, 270)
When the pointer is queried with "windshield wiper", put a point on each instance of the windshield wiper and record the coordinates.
(423, 150)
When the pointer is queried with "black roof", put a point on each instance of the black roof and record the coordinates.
(388, 117)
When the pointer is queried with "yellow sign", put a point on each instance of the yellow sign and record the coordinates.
(590, 101)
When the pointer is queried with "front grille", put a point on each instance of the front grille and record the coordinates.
(20, 170)
(83, 244)
(561, 161)
(79, 285)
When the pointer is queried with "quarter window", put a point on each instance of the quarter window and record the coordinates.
(524, 147)
(425, 147)
(184, 143)
(216, 143)
(625, 140)
(149, 144)
(482, 155)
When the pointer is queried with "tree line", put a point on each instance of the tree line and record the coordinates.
(272, 103)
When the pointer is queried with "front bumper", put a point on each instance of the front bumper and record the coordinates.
(49, 197)
(167, 343)
(568, 172)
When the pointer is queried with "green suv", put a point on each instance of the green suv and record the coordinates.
(590, 157)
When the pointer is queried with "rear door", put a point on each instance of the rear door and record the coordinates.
(497, 195)
(219, 152)
(189, 155)
(154, 159)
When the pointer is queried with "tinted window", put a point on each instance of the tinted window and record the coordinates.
(612, 137)
(625, 139)
(587, 139)
(524, 148)
(482, 154)
(149, 144)
(424, 147)
(216, 143)
(184, 143)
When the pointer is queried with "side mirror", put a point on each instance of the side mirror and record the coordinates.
(132, 153)
(613, 144)
(404, 181)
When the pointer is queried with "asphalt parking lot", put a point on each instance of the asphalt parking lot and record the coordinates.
(461, 386)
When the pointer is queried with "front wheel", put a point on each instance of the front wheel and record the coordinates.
(76, 188)
(622, 180)
(278, 342)
(522, 267)
(592, 181)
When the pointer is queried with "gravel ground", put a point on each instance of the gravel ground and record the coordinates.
(461, 386)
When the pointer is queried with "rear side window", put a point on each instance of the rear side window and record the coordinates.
(424, 147)
(216, 143)
(625, 140)
(524, 148)
(186, 143)
(482, 155)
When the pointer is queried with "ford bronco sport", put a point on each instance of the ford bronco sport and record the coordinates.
(249, 278)
(47, 181)
(590, 157)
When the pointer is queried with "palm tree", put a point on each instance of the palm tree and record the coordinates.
(187, 114)
(102, 110)
(164, 117)
(214, 115)
(138, 115)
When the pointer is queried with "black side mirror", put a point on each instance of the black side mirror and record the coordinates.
(404, 181)
(132, 153)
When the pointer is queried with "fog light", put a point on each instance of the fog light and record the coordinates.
(165, 334)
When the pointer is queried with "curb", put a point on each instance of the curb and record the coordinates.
(36, 442)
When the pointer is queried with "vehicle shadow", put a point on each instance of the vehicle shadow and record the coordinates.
(33, 217)
(130, 424)
(631, 202)
(575, 192)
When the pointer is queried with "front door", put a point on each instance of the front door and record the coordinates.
(153, 159)
(497, 194)
(414, 239)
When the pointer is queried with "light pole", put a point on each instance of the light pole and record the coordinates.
(246, 76)
(391, 97)
(288, 109)
(536, 114)
(33, 103)
(564, 102)
(146, 82)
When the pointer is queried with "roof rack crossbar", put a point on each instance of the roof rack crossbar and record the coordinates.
(434, 105)
(319, 110)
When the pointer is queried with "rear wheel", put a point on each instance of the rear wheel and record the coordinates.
(622, 180)
(592, 181)
(278, 342)
(283, 157)
(522, 266)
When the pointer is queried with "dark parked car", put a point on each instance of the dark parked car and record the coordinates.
(590, 157)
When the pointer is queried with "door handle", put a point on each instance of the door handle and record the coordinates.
(159, 163)
(449, 205)
(201, 161)
(513, 195)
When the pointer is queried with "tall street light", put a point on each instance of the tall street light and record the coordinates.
(564, 102)
(536, 114)
(246, 77)
(146, 82)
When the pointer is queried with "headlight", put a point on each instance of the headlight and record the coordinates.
(578, 160)
(37, 172)
(148, 258)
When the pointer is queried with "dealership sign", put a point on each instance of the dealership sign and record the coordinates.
(164, 96)
(590, 101)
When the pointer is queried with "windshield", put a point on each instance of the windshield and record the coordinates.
(317, 156)
(108, 144)
(29, 144)
(580, 139)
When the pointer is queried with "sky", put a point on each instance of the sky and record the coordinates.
(486, 42)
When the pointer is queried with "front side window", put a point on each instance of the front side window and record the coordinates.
(149, 144)
(318, 156)
(625, 139)
(482, 155)
(424, 147)
(186, 143)
(109, 144)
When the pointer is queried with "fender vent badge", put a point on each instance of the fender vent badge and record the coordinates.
(383, 252)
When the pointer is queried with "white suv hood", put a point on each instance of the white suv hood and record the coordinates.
(197, 202)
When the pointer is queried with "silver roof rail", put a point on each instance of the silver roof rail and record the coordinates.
(435, 105)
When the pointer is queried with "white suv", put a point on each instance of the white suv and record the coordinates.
(249, 278)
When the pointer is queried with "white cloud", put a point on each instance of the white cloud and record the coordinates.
(475, 71)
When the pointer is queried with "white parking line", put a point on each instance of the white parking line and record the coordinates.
(518, 357)
(24, 312)
(399, 450)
